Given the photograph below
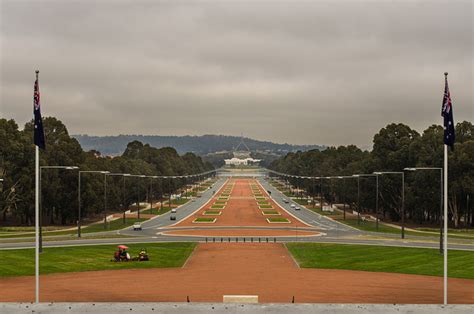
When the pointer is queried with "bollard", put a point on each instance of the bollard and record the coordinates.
(274, 240)
(222, 240)
(206, 239)
(236, 240)
(267, 240)
(229, 240)
(214, 240)
(259, 240)
(244, 240)
(251, 240)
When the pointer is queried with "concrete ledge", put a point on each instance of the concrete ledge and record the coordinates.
(205, 308)
(240, 299)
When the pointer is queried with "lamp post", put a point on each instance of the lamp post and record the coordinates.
(40, 199)
(138, 192)
(358, 176)
(79, 216)
(105, 192)
(440, 202)
(403, 195)
(150, 196)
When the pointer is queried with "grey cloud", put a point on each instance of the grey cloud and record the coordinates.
(295, 71)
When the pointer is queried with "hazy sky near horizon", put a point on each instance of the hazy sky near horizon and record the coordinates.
(302, 72)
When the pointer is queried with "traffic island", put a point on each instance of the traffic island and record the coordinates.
(217, 206)
(204, 220)
(212, 213)
(270, 213)
(278, 220)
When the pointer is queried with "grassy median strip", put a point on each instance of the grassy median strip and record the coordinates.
(278, 220)
(271, 212)
(87, 258)
(116, 224)
(212, 212)
(417, 261)
(204, 220)
(217, 206)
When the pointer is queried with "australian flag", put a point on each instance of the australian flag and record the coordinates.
(39, 132)
(447, 114)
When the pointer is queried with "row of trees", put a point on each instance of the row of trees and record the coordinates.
(59, 186)
(395, 148)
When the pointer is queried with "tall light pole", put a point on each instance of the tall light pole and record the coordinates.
(105, 192)
(138, 193)
(403, 195)
(440, 201)
(40, 200)
(358, 176)
(79, 216)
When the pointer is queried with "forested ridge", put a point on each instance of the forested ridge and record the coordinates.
(205, 144)
(395, 147)
(60, 186)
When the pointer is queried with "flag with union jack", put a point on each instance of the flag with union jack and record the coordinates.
(39, 132)
(447, 114)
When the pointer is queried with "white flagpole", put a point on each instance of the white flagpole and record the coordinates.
(37, 223)
(445, 242)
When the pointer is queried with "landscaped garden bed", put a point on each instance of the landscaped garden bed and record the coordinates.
(271, 213)
(217, 206)
(212, 212)
(204, 220)
(278, 220)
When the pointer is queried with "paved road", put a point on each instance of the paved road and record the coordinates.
(333, 231)
(150, 227)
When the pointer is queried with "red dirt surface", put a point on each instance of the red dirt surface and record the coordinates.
(266, 270)
(242, 209)
(242, 233)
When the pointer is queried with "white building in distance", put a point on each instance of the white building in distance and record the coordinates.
(241, 158)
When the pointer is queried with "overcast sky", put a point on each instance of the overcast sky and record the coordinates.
(303, 72)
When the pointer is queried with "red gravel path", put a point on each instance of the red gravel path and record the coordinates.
(242, 209)
(266, 270)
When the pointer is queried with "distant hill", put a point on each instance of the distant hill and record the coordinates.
(201, 145)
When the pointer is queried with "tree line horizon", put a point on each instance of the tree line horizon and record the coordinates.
(395, 147)
(59, 187)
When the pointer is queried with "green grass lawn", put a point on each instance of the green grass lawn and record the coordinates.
(382, 259)
(204, 220)
(217, 206)
(222, 198)
(212, 212)
(97, 227)
(278, 220)
(260, 198)
(220, 203)
(25, 229)
(271, 212)
(301, 201)
(265, 206)
(180, 201)
(263, 202)
(370, 226)
(87, 258)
